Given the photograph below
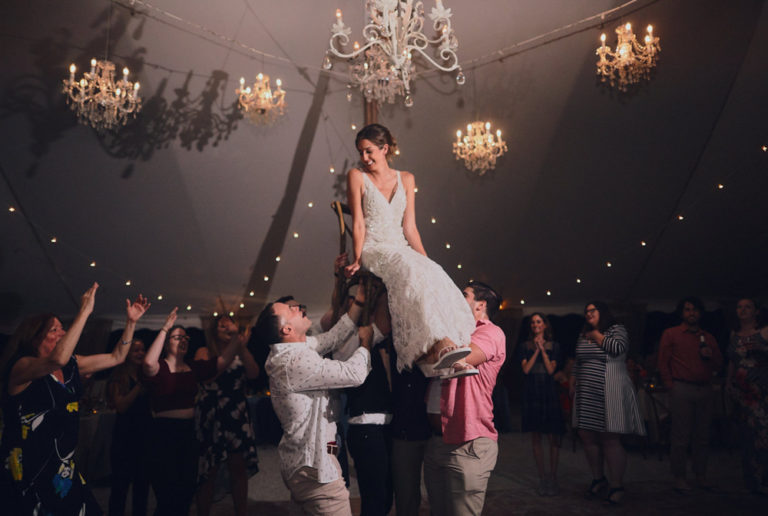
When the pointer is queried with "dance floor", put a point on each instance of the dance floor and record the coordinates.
(513, 484)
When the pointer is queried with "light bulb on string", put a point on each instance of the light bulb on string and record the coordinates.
(522, 301)
(242, 305)
(160, 297)
(447, 245)
(720, 186)
(608, 264)
(549, 292)
(458, 266)
(295, 235)
(251, 293)
(93, 264)
(266, 278)
(128, 283)
(643, 243)
(54, 240)
(189, 307)
(578, 280)
(310, 204)
(332, 170)
(680, 217)
(11, 209)
(215, 314)
(433, 220)
(277, 258)
(231, 314)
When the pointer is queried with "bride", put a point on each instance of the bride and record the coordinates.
(431, 321)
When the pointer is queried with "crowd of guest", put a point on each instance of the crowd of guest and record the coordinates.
(180, 420)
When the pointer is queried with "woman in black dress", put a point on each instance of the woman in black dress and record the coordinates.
(130, 398)
(222, 422)
(541, 403)
(41, 393)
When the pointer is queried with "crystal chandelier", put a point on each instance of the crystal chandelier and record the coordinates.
(98, 100)
(479, 148)
(395, 28)
(631, 61)
(376, 77)
(260, 103)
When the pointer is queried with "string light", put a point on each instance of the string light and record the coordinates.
(231, 314)
(160, 297)
(549, 292)
(447, 245)
(720, 186)
(277, 258)
(215, 314)
(332, 170)
(415, 189)
(353, 127)
(578, 280)
(764, 148)
(522, 301)
(11, 209)
(189, 307)
(242, 305)
(251, 293)
(266, 278)
(608, 264)
(397, 152)
(310, 204)
(295, 235)
(642, 243)
(53, 240)
(433, 220)
(93, 264)
(128, 283)
(680, 217)
(458, 266)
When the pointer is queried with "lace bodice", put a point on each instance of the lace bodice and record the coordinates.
(383, 220)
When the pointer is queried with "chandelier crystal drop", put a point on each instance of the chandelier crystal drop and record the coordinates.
(479, 148)
(377, 79)
(261, 105)
(394, 33)
(98, 100)
(631, 62)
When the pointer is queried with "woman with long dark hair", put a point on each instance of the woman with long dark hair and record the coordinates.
(129, 396)
(41, 390)
(605, 404)
(541, 414)
(173, 387)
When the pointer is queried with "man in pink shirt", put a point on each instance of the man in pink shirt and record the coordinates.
(460, 457)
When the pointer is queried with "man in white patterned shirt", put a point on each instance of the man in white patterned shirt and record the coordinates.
(299, 379)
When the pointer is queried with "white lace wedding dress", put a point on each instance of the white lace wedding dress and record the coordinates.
(424, 303)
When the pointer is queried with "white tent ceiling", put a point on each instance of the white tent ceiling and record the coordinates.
(192, 203)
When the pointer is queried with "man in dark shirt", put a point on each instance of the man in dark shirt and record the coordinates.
(688, 357)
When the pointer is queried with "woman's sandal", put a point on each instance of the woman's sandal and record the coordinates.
(615, 496)
(448, 356)
(596, 487)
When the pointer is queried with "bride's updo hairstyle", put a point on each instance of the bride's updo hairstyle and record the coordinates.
(379, 135)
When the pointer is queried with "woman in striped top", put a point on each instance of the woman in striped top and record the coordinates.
(605, 404)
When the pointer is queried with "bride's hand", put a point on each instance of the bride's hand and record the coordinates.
(351, 269)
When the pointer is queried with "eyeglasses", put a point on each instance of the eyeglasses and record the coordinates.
(591, 310)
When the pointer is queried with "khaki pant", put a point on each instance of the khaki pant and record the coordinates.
(329, 499)
(691, 412)
(457, 475)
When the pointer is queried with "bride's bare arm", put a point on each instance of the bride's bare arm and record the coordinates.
(410, 230)
(354, 200)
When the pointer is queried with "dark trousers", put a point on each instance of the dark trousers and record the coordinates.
(173, 465)
(128, 467)
(371, 448)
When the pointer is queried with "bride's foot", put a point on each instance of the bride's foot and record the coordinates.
(460, 368)
(450, 355)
